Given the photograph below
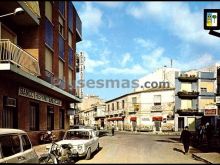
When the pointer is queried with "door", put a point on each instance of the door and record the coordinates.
(9, 117)
(180, 123)
(157, 125)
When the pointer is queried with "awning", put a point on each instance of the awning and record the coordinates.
(133, 118)
(157, 118)
(115, 118)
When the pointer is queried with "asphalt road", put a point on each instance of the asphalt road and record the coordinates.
(140, 148)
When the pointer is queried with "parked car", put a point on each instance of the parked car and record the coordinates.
(84, 141)
(16, 147)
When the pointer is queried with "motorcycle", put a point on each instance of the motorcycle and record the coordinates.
(46, 137)
(58, 154)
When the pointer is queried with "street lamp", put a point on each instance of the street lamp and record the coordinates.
(16, 11)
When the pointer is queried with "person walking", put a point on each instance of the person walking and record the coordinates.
(201, 134)
(209, 133)
(185, 139)
(113, 129)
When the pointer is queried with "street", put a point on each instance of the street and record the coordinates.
(140, 148)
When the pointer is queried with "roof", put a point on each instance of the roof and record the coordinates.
(143, 91)
(10, 131)
(81, 129)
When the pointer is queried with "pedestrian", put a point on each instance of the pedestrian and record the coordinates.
(209, 133)
(185, 139)
(201, 133)
(113, 129)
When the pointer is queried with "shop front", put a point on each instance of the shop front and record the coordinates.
(33, 105)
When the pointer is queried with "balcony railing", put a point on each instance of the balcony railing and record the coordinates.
(189, 111)
(185, 94)
(187, 78)
(11, 53)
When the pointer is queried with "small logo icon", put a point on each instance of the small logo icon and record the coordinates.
(211, 19)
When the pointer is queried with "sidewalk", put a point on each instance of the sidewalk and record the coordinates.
(210, 158)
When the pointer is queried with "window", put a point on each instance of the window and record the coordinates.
(203, 89)
(34, 117)
(70, 76)
(48, 60)
(117, 105)
(48, 10)
(70, 39)
(9, 117)
(157, 99)
(134, 100)
(61, 26)
(70, 57)
(48, 33)
(50, 118)
(108, 107)
(113, 106)
(61, 119)
(25, 142)
(185, 104)
(61, 70)
(186, 87)
(62, 7)
(6, 33)
(10, 145)
(123, 104)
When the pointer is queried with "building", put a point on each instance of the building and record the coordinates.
(146, 110)
(90, 110)
(37, 64)
(195, 92)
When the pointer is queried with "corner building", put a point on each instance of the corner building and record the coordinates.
(37, 66)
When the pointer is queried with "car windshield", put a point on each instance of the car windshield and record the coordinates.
(76, 135)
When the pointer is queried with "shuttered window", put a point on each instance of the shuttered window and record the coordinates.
(185, 104)
(48, 10)
(48, 60)
(61, 70)
(186, 87)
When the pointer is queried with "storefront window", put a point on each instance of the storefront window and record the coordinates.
(61, 119)
(50, 118)
(34, 117)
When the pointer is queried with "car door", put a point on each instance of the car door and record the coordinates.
(11, 148)
(28, 152)
(94, 141)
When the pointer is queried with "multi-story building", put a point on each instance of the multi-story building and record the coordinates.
(146, 110)
(195, 92)
(89, 110)
(37, 65)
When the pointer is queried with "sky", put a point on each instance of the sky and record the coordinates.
(128, 40)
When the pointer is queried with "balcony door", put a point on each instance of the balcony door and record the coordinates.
(6, 33)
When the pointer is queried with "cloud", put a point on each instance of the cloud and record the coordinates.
(91, 18)
(177, 18)
(134, 70)
(126, 58)
(92, 65)
(144, 43)
(111, 4)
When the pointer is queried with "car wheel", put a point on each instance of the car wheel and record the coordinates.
(88, 155)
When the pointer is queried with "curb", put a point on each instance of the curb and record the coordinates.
(201, 159)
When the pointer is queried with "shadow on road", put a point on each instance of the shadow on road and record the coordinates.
(166, 141)
(178, 150)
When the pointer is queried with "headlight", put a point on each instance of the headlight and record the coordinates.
(79, 147)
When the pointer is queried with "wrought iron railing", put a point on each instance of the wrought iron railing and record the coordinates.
(11, 53)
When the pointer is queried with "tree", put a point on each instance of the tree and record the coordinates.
(214, 17)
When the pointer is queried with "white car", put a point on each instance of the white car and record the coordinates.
(15, 147)
(84, 141)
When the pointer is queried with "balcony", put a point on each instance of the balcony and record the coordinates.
(189, 112)
(187, 78)
(156, 108)
(11, 53)
(188, 95)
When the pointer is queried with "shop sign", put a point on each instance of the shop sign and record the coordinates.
(38, 96)
(210, 112)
